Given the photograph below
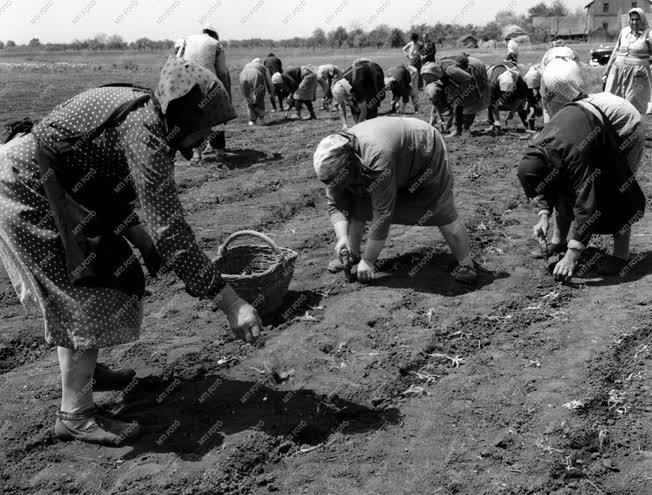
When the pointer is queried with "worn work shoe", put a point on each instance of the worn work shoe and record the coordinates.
(108, 379)
(335, 266)
(464, 274)
(92, 426)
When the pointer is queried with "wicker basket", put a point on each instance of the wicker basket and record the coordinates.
(260, 274)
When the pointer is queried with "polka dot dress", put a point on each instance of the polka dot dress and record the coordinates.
(125, 163)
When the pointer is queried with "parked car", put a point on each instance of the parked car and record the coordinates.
(600, 55)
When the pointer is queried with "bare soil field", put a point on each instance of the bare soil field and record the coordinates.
(414, 384)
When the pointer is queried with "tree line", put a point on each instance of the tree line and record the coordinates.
(382, 36)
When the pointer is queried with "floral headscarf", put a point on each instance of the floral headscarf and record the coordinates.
(179, 77)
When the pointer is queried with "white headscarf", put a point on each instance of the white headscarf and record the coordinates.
(331, 157)
(277, 78)
(512, 47)
(564, 84)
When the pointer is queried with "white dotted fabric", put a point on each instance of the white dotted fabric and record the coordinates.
(132, 155)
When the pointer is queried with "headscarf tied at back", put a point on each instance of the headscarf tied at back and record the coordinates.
(512, 47)
(191, 97)
(332, 156)
(564, 84)
(641, 14)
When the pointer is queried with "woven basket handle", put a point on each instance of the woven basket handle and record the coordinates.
(252, 233)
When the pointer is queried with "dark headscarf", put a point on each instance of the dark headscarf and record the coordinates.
(536, 174)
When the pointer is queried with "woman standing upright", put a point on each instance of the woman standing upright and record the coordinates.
(628, 71)
(413, 51)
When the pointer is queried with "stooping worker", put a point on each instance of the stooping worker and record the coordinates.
(67, 198)
(403, 82)
(582, 164)
(628, 71)
(327, 75)
(532, 80)
(413, 50)
(255, 82)
(206, 50)
(507, 92)
(300, 84)
(362, 89)
(453, 76)
(389, 171)
(274, 66)
(462, 100)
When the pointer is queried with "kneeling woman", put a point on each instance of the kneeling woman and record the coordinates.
(67, 194)
(580, 164)
(386, 171)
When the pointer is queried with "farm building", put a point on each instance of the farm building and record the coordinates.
(568, 27)
(468, 41)
(608, 14)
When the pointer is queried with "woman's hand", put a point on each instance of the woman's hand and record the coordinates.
(540, 230)
(565, 268)
(243, 318)
(342, 243)
(365, 271)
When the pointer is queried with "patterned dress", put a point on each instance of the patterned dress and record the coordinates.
(130, 160)
(630, 76)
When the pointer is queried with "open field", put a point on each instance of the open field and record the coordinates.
(413, 385)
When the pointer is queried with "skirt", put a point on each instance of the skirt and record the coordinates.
(631, 82)
(429, 198)
(307, 90)
(31, 251)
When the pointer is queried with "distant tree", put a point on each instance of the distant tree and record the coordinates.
(396, 38)
(115, 42)
(2, 45)
(539, 10)
(379, 36)
(337, 37)
(490, 31)
(318, 38)
(558, 8)
(11, 44)
(143, 44)
(34, 42)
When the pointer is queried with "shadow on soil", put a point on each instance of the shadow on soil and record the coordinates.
(429, 274)
(196, 414)
(242, 158)
(639, 266)
(295, 303)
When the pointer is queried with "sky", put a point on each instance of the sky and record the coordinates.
(65, 20)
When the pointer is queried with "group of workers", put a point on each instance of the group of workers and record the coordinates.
(69, 185)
